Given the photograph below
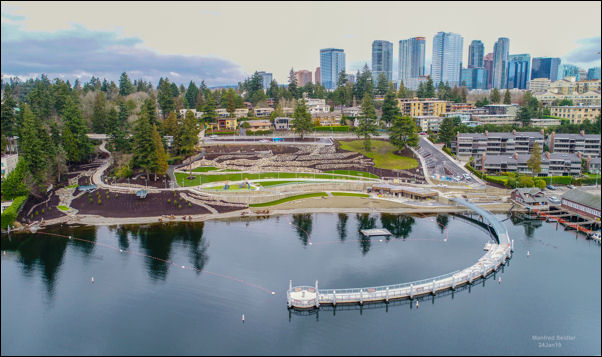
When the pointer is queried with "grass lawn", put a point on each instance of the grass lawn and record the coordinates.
(382, 154)
(350, 194)
(72, 186)
(352, 173)
(183, 177)
(63, 208)
(204, 169)
(292, 198)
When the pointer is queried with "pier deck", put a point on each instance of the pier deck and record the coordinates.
(375, 232)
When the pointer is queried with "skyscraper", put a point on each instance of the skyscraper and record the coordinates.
(519, 71)
(318, 78)
(476, 50)
(593, 73)
(332, 62)
(266, 79)
(382, 59)
(488, 65)
(411, 58)
(500, 63)
(545, 67)
(303, 77)
(568, 70)
(447, 58)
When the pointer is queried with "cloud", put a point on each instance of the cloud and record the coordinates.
(71, 53)
(588, 51)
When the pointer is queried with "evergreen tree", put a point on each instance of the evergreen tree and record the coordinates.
(150, 107)
(160, 164)
(170, 126)
(429, 89)
(209, 116)
(381, 84)
(292, 84)
(8, 117)
(302, 119)
(76, 143)
(507, 98)
(495, 96)
(402, 132)
(143, 146)
(125, 86)
(230, 103)
(191, 95)
(272, 92)
(118, 133)
(199, 104)
(366, 123)
(342, 79)
(34, 144)
(447, 131)
(165, 97)
(189, 136)
(99, 114)
(14, 184)
(389, 108)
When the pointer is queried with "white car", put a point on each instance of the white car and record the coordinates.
(554, 199)
(213, 136)
(263, 141)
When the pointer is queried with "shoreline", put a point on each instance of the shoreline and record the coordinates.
(302, 206)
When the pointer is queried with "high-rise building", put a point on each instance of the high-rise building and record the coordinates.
(447, 58)
(382, 59)
(545, 67)
(266, 79)
(488, 65)
(593, 73)
(317, 75)
(500, 63)
(332, 62)
(519, 71)
(569, 70)
(476, 50)
(411, 58)
(474, 78)
(303, 77)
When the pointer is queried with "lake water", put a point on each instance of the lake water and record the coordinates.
(547, 303)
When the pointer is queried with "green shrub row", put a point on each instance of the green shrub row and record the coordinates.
(259, 132)
(343, 128)
(10, 214)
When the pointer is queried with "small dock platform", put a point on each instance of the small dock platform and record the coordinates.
(375, 232)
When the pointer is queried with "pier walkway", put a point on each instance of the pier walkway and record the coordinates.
(309, 297)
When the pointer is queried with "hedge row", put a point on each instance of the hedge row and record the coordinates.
(344, 128)
(10, 214)
(259, 132)
(219, 133)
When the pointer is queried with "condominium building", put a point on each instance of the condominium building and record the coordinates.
(9, 163)
(266, 79)
(303, 77)
(488, 65)
(496, 119)
(382, 60)
(263, 112)
(538, 85)
(552, 164)
(476, 51)
(417, 108)
(502, 109)
(593, 73)
(587, 86)
(544, 123)
(475, 144)
(576, 113)
(588, 144)
(587, 98)
(426, 123)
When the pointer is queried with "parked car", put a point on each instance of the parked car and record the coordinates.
(570, 187)
(550, 187)
(554, 199)
(213, 136)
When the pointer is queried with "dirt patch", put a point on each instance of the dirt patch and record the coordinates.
(129, 205)
(139, 178)
(45, 211)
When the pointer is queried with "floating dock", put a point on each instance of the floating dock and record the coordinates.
(310, 297)
(375, 232)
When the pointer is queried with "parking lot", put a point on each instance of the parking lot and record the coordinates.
(440, 166)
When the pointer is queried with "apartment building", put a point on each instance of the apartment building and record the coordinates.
(552, 164)
(587, 98)
(576, 113)
(263, 112)
(422, 107)
(538, 85)
(588, 144)
(317, 106)
(426, 123)
(469, 145)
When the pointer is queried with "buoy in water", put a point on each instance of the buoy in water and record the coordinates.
(92, 280)
(243, 318)
(499, 280)
(417, 305)
(273, 293)
(528, 253)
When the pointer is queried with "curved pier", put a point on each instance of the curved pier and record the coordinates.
(308, 297)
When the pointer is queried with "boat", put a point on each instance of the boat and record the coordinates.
(595, 236)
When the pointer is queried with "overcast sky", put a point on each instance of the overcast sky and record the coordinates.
(223, 43)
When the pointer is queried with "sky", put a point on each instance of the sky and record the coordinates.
(223, 43)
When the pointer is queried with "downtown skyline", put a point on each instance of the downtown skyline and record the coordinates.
(113, 46)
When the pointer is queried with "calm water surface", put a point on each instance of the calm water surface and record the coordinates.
(143, 305)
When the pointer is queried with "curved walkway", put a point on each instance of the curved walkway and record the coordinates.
(304, 297)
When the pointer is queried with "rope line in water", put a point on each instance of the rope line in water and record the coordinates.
(161, 260)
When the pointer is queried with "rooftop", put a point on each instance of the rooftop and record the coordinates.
(582, 197)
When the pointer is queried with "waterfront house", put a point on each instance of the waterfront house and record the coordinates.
(582, 202)
(529, 197)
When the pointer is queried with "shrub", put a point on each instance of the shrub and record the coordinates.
(91, 200)
(10, 213)
(175, 203)
(189, 204)
(14, 184)
(169, 200)
(116, 195)
(541, 184)
(124, 172)
(525, 181)
(99, 201)
(42, 211)
(37, 213)
(343, 128)
(511, 182)
(179, 206)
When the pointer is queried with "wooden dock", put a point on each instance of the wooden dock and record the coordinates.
(375, 232)
(310, 297)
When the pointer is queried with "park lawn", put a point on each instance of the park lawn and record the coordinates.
(72, 186)
(352, 173)
(183, 176)
(204, 169)
(382, 154)
(287, 199)
(63, 208)
(350, 194)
